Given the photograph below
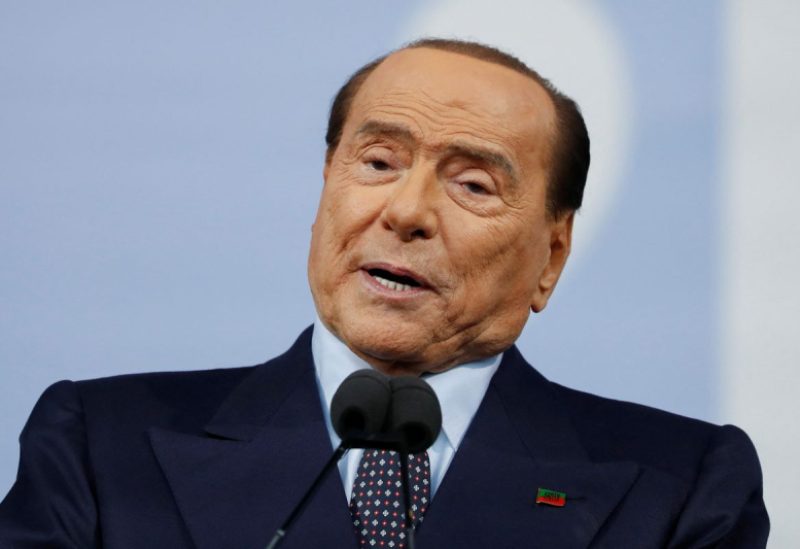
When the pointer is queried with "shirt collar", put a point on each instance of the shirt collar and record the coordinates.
(460, 390)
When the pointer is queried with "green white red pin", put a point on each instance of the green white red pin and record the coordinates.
(545, 496)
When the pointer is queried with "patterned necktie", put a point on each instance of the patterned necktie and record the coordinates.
(376, 503)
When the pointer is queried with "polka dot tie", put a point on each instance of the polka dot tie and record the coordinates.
(376, 503)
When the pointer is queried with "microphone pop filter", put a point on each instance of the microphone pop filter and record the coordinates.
(414, 413)
(361, 404)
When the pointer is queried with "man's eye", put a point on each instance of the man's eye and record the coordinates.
(475, 188)
(378, 165)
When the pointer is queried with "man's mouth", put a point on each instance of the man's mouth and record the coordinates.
(395, 279)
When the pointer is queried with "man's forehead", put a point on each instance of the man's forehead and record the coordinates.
(439, 71)
(451, 91)
(432, 78)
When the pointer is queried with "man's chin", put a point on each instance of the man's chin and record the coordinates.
(391, 346)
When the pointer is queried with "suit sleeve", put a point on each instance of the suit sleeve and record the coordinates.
(52, 502)
(725, 508)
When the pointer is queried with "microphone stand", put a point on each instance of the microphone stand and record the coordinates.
(334, 459)
(374, 442)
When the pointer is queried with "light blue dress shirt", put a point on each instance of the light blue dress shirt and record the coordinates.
(460, 391)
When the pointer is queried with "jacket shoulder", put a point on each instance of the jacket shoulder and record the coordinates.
(724, 504)
(613, 430)
(183, 400)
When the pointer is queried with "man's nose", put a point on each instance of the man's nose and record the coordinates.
(410, 208)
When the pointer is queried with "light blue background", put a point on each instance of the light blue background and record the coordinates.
(159, 169)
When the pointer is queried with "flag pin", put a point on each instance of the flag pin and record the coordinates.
(555, 498)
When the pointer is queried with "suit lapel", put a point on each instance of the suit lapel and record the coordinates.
(266, 444)
(236, 485)
(521, 440)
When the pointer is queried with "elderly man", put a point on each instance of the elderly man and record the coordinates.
(451, 179)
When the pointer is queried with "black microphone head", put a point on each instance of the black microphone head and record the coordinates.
(414, 413)
(361, 404)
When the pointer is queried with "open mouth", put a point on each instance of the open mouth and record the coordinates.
(393, 281)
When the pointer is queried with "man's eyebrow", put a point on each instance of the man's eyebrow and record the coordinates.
(485, 156)
(458, 148)
(376, 127)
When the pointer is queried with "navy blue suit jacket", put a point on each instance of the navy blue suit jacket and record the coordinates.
(216, 459)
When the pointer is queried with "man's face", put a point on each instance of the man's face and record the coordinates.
(432, 240)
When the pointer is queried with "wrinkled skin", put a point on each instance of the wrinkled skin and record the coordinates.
(440, 175)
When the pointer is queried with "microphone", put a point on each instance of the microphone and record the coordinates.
(358, 412)
(360, 404)
(414, 413)
(370, 410)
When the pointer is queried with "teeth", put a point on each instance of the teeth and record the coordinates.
(392, 285)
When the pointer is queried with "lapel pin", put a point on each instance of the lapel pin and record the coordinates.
(554, 498)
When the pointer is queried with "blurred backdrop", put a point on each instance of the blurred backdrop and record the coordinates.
(160, 164)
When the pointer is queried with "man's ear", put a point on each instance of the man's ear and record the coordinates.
(560, 245)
